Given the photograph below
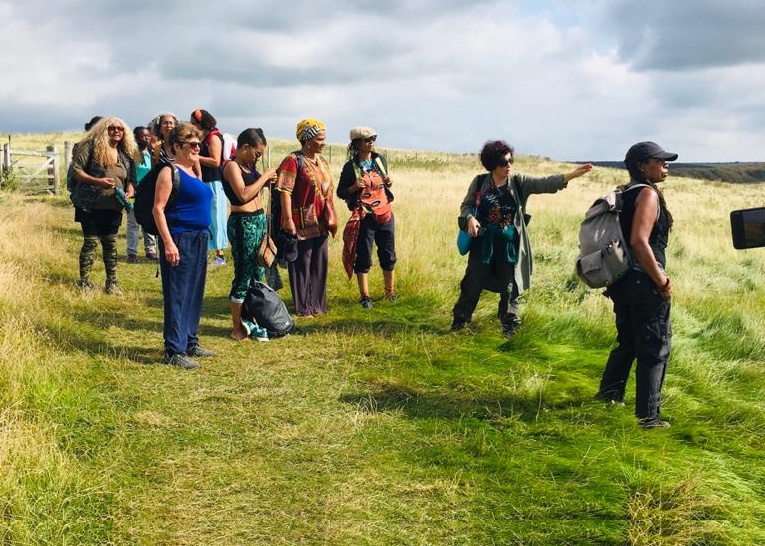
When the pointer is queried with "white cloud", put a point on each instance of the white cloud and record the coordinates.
(568, 81)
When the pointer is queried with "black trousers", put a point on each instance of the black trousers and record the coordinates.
(643, 333)
(496, 276)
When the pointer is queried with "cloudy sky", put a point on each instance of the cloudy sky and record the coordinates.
(566, 79)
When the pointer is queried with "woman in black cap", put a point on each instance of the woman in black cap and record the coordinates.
(642, 298)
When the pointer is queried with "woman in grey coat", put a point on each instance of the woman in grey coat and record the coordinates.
(493, 214)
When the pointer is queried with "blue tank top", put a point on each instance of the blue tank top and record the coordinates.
(191, 209)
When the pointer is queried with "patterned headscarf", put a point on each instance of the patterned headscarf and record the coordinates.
(309, 128)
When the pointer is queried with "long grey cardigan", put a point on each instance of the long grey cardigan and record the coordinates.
(528, 185)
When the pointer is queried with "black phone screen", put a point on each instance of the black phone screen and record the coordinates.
(748, 228)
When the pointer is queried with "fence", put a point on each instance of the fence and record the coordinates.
(38, 171)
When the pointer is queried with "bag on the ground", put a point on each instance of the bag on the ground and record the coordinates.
(144, 196)
(263, 305)
(604, 254)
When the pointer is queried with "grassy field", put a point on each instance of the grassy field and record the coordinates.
(379, 427)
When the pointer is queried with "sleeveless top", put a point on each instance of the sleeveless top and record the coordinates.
(249, 179)
(659, 237)
(210, 174)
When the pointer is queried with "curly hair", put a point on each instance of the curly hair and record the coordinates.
(182, 133)
(155, 125)
(99, 136)
(493, 154)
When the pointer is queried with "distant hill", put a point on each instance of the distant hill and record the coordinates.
(736, 172)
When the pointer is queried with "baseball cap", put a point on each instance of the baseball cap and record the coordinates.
(646, 150)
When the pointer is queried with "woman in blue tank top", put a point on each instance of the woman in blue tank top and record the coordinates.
(182, 215)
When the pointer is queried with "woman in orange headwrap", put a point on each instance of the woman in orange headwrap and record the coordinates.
(308, 212)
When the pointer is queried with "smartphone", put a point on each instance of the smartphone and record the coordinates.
(748, 228)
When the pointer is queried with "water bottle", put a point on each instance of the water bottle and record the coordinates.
(122, 198)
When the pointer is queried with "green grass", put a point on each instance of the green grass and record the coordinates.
(379, 427)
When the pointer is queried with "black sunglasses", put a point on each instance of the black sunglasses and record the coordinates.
(370, 139)
(504, 162)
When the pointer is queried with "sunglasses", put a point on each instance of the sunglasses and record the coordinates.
(116, 128)
(193, 144)
(370, 139)
(504, 162)
(258, 154)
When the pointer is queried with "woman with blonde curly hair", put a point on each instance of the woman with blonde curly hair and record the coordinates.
(104, 167)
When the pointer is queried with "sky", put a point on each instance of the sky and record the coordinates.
(566, 79)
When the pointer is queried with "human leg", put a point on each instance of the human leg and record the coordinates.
(109, 247)
(471, 287)
(87, 258)
(613, 382)
(319, 270)
(219, 216)
(131, 237)
(299, 275)
(652, 350)
(386, 255)
(197, 258)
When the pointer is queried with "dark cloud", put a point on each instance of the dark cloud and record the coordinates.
(687, 34)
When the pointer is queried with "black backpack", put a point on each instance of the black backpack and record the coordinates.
(144, 196)
(263, 305)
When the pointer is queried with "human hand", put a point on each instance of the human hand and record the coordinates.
(270, 174)
(473, 226)
(172, 255)
(106, 183)
(579, 171)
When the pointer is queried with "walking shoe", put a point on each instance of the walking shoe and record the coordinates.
(113, 288)
(132, 259)
(652, 422)
(151, 255)
(182, 361)
(219, 260)
(509, 328)
(612, 398)
(458, 324)
(85, 285)
(391, 297)
(198, 351)
(366, 303)
(259, 334)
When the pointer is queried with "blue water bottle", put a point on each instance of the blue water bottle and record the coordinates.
(122, 198)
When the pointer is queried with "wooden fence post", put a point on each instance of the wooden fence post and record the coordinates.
(67, 154)
(54, 178)
(6, 157)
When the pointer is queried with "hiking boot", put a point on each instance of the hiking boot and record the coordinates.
(112, 288)
(182, 361)
(366, 303)
(652, 422)
(199, 352)
(509, 328)
(85, 285)
(132, 259)
(458, 324)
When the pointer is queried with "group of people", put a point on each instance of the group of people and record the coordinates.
(197, 183)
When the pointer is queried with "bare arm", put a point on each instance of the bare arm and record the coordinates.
(288, 224)
(646, 211)
(233, 175)
(161, 197)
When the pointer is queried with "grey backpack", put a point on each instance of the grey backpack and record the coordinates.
(604, 254)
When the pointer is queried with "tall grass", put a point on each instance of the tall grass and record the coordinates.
(378, 426)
